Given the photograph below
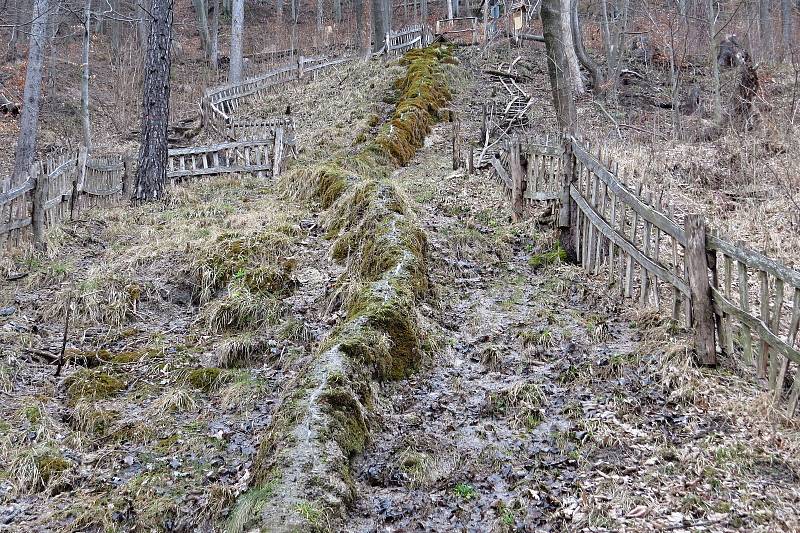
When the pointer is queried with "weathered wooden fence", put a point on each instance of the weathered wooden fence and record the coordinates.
(257, 156)
(462, 29)
(738, 301)
(405, 39)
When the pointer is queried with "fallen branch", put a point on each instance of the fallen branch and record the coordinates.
(502, 74)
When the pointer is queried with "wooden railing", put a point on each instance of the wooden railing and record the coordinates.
(400, 42)
(255, 156)
(737, 301)
(462, 29)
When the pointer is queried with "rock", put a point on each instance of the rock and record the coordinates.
(8, 311)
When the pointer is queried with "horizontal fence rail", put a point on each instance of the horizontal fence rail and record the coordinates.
(739, 302)
(408, 38)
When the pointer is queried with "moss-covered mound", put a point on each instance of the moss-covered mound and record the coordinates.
(302, 476)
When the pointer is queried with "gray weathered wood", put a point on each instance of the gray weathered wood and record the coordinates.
(702, 308)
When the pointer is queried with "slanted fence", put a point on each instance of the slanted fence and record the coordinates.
(738, 301)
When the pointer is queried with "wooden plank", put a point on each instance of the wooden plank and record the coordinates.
(774, 364)
(649, 214)
(727, 322)
(634, 230)
(744, 302)
(702, 307)
(755, 260)
(218, 170)
(645, 284)
(626, 245)
(676, 297)
(763, 352)
(723, 305)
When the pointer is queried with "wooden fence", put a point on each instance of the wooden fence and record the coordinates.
(220, 103)
(400, 42)
(257, 156)
(462, 29)
(738, 301)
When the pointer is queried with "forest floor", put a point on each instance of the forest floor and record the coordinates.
(546, 405)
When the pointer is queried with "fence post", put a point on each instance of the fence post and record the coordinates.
(700, 289)
(456, 141)
(127, 177)
(517, 182)
(277, 152)
(77, 185)
(300, 67)
(39, 199)
(567, 215)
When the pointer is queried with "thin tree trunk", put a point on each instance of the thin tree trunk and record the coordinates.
(87, 128)
(378, 25)
(201, 14)
(17, 30)
(449, 9)
(320, 7)
(786, 15)
(214, 59)
(558, 65)
(423, 8)
(764, 28)
(358, 7)
(712, 59)
(279, 9)
(144, 7)
(237, 36)
(31, 100)
(152, 171)
(337, 11)
(598, 81)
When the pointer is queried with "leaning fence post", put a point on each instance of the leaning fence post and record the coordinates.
(127, 177)
(567, 216)
(700, 289)
(39, 199)
(517, 182)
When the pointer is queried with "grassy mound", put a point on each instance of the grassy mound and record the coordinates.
(302, 480)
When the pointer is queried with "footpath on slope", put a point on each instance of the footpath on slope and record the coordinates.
(548, 406)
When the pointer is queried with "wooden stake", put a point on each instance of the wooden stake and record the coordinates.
(518, 182)
(702, 309)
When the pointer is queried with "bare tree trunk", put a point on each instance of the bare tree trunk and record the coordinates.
(87, 127)
(337, 10)
(423, 9)
(31, 100)
(144, 7)
(20, 17)
(598, 81)
(378, 25)
(786, 15)
(764, 28)
(320, 7)
(569, 48)
(279, 9)
(712, 58)
(214, 59)
(237, 36)
(449, 9)
(558, 64)
(152, 171)
(201, 14)
(358, 7)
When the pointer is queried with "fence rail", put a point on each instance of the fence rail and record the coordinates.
(405, 39)
(738, 302)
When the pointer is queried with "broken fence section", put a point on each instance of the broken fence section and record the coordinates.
(736, 300)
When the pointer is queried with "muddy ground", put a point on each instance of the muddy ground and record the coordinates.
(544, 405)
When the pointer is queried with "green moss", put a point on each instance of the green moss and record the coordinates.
(50, 465)
(205, 379)
(92, 385)
(348, 427)
(32, 413)
(556, 255)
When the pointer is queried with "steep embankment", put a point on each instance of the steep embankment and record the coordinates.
(303, 480)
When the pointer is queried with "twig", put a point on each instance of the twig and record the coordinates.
(616, 124)
(64, 339)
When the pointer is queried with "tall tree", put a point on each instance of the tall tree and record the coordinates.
(786, 19)
(152, 171)
(26, 142)
(214, 59)
(598, 80)
(565, 14)
(556, 46)
(237, 36)
(143, 11)
(87, 127)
